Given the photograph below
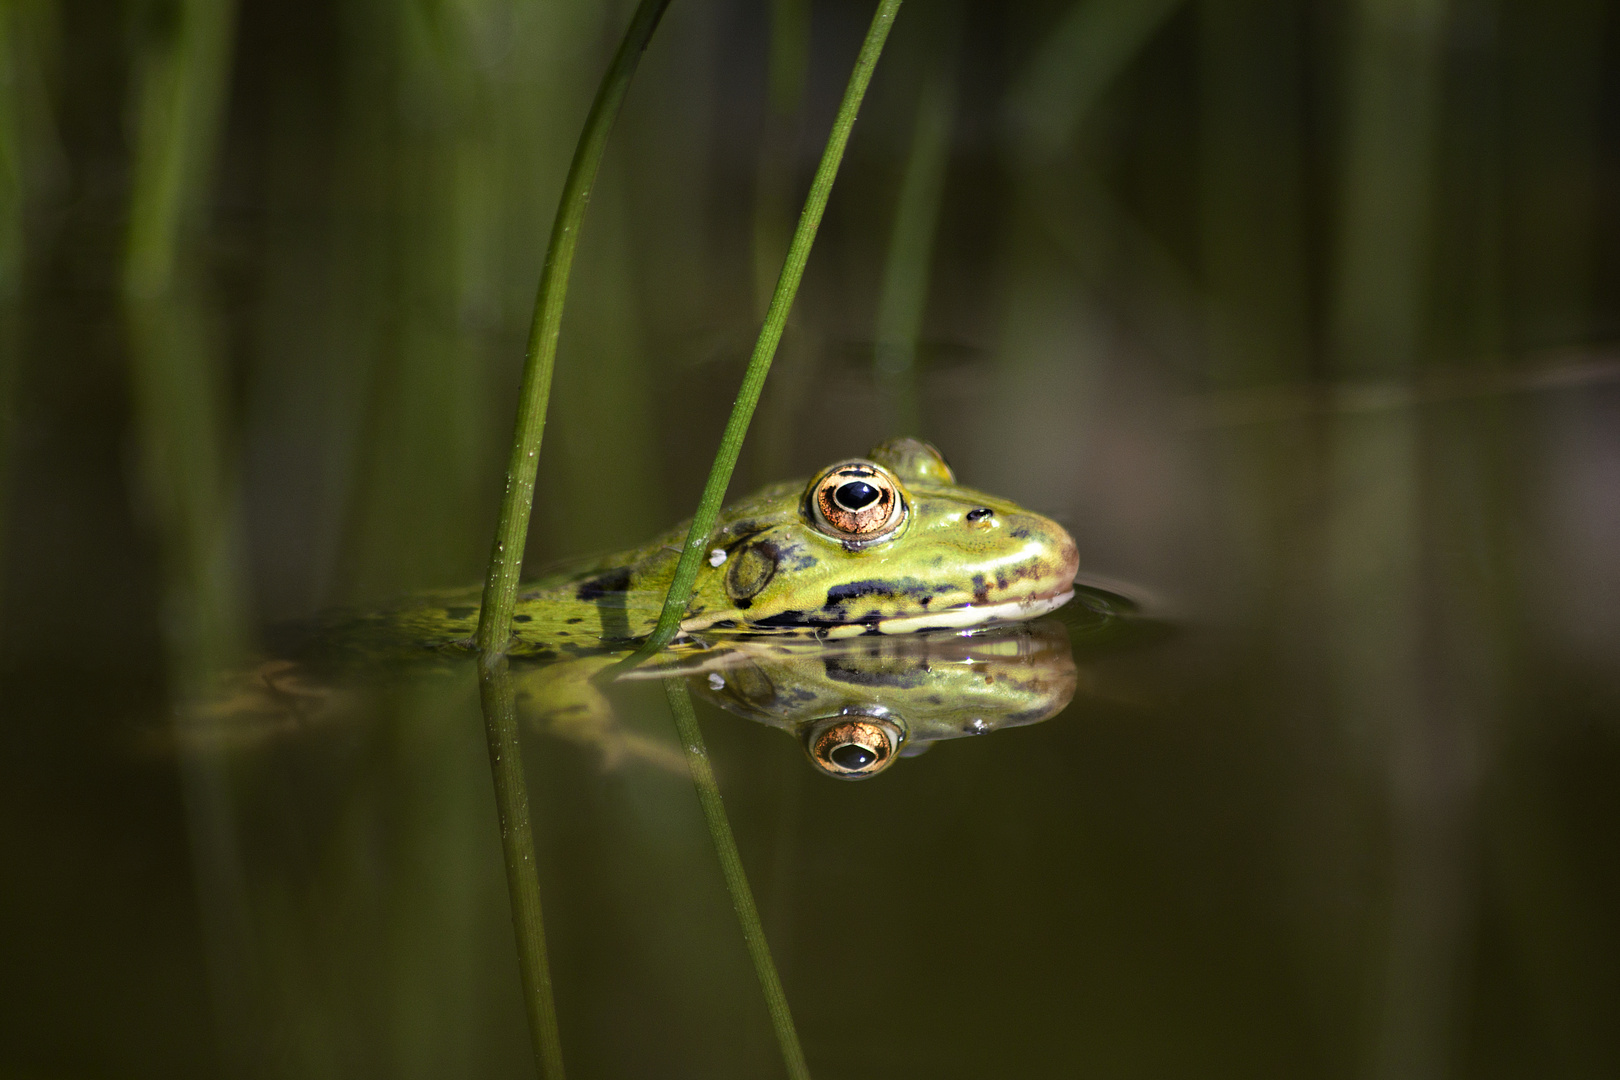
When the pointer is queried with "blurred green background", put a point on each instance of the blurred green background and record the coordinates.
(1301, 316)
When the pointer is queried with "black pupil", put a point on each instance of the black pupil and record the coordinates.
(979, 514)
(856, 495)
(851, 756)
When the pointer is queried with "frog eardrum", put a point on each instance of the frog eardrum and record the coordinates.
(854, 747)
(857, 502)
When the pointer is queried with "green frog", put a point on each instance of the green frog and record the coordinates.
(802, 586)
(885, 544)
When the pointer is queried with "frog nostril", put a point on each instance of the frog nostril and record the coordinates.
(980, 514)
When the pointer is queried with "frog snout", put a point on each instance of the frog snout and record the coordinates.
(1051, 558)
(1068, 556)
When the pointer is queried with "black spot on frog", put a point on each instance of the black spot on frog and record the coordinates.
(981, 590)
(614, 581)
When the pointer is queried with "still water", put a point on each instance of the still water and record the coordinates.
(1210, 860)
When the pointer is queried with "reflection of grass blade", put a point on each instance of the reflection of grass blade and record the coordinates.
(742, 898)
(770, 335)
(522, 877)
(517, 502)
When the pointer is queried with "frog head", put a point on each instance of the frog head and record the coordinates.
(889, 543)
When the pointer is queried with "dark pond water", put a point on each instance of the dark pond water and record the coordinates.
(1301, 318)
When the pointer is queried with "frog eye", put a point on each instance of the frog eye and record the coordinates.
(854, 748)
(857, 501)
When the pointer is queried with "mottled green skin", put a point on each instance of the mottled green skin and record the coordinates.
(781, 575)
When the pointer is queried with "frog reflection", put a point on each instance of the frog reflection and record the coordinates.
(859, 709)
(856, 706)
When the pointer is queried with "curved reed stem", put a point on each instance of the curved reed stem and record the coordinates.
(770, 335)
(517, 501)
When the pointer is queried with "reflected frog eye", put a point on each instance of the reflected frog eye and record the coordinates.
(854, 748)
(857, 501)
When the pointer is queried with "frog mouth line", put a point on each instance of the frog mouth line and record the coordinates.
(964, 616)
(958, 618)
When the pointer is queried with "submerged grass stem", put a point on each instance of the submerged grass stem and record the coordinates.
(742, 897)
(770, 335)
(517, 501)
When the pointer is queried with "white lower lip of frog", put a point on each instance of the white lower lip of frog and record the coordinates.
(958, 618)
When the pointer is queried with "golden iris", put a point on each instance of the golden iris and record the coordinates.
(857, 500)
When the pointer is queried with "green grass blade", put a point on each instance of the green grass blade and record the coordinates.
(770, 335)
(522, 876)
(517, 501)
(787, 75)
(1069, 73)
(742, 897)
(904, 299)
